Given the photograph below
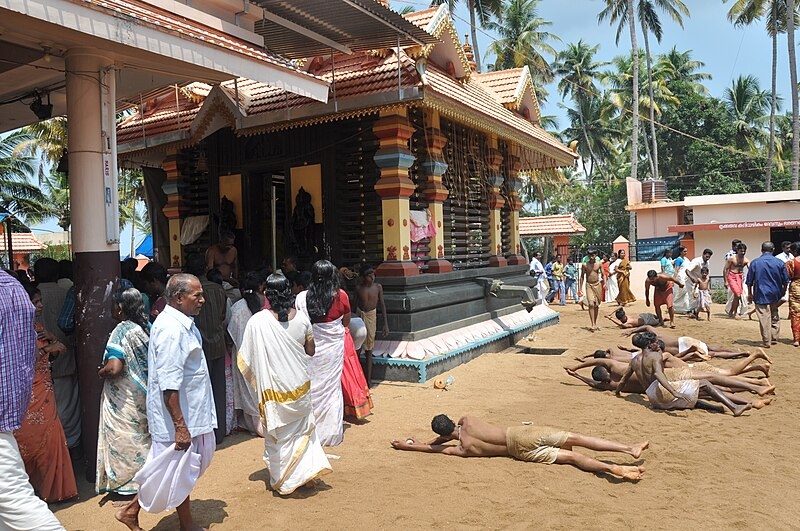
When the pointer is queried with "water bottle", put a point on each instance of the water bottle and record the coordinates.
(449, 381)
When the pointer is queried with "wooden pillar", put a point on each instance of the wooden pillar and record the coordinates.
(514, 185)
(432, 168)
(394, 186)
(496, 204)
(172, 210)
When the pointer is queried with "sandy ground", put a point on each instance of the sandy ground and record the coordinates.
(702, 469)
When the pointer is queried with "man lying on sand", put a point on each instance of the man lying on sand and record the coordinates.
(662, 393)
(688, 348)
(537, 444)
(632, 320)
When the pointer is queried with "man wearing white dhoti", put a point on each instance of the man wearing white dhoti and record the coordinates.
(273, 359)
(180, 408)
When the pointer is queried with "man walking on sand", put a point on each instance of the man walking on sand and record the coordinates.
(766, 281)
(662, 294)
(533, 443)
(594, 289)
(180, 409)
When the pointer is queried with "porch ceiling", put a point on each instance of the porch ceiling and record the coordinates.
(308, 28)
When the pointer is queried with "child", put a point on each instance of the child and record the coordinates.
(369, 294)
(703, 293)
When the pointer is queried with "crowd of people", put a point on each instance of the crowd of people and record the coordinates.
(194, 356)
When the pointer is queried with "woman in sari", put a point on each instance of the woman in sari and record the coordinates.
(612, 288)
(252, 302)
(123, 439)
(41, 439)
(793, 268)
(328, 308)
(273, 358)
(624, 280)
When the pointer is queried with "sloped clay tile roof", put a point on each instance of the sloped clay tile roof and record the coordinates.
(164, 114)
(565, 225)
(22, 242)
(422, 18)
(503, 82)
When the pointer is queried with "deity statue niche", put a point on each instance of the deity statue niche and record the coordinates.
(303, 224)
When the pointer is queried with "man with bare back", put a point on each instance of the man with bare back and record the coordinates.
(590, 272)
(224, 257)
(733, 275)
(369, 294)
(632, 320)
(533, 443)
(662, 393)
(688, 348)
(662, 293)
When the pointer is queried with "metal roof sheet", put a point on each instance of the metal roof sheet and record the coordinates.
(298, 29)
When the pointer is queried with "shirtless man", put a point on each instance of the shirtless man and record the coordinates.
(369, 294)
(623, 320)
(662, 393)
(591, 271)
(533, 443)
(687, 348)
(223, 256)
(733, 275)
(662, 293)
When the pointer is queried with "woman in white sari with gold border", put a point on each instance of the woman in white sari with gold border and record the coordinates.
(273, 359)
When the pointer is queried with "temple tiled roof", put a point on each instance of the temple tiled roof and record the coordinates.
(503, 82)
(423, 17)
(22, 242)
(565, 225)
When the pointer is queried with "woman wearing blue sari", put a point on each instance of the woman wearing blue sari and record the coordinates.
(123, 439)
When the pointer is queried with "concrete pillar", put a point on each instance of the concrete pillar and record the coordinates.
(514, 185)
(92, 144)
(172, 210)
(433, 167)
(496, 204)
(393, 159)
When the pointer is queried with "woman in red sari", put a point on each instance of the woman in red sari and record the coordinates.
(41, 438)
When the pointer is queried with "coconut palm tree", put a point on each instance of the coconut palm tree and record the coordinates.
(131, 193)
(790, 24)
(480, 12)
(18, 196)
(56, 188)
(744, 13)
(679, 66)
(522, 39)
(747, 105)
(592, 121)
(47, 143)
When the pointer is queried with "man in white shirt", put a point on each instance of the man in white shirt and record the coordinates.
(693, 275)
(537, 272)
(180, 408)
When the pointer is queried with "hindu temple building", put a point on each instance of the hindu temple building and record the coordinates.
(413, 165)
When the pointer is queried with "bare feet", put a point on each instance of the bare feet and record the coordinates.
(129, 519)
(767, 391)
(631, 473)
(636, 450)
(738, 410)
(764, 355)
(758, 404)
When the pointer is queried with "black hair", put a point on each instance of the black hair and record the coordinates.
(251, 287)
(31, 290)
(765, 247)
(666, 251)
(153, 271)
(661, 345)
(65, 269)
(704, 268)
(652, 274)
(131, 303)
(795, 248)
(46, 270)
(600, 354)
(619, 314)
(708, 251)
(601, 374)
(325, 284)
(643, 340)
(366, 270)
(591, 250)
(735, 242)
(127, 268)
(442, 425)
(195, 265)
(303, 279)
(742, 246)
(214, 275)
(279, 294)
(681, 248)
(785, 243)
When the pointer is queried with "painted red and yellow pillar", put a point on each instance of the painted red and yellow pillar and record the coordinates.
(514, 185)
(496, 204)
(172, 210)
(432, 168)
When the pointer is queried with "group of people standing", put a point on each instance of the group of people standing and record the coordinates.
(294, 374)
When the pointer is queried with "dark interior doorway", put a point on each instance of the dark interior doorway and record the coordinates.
(266, 219)
(778, 235)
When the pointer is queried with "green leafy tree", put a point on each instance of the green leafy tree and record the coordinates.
(480, 12)
(18, 196)
(748, 106)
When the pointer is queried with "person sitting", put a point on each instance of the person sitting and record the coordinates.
(533, 443)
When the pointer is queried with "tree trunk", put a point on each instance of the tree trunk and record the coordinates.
(654, 149)
(772, 111)
(790, 13)
(474, 32)
(133, 238)
(635, 122)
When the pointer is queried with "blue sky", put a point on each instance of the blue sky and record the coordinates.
(727, 52)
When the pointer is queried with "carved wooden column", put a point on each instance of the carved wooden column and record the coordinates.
(432, 168)
(172, 210)
(393, 159)
(496, 204)
(514, 185)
